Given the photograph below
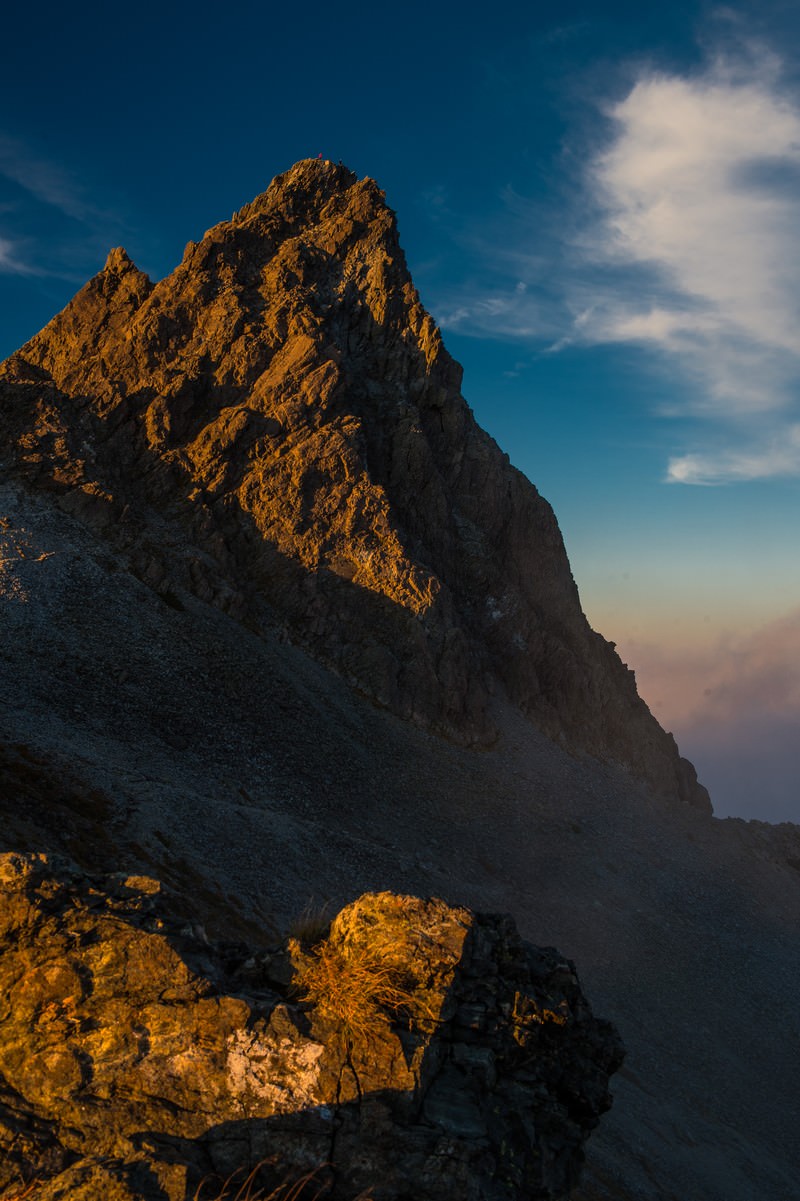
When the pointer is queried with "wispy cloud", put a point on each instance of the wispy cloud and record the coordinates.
(699, 199)
(11, 260)
(50, 224)
(775, 455)
(512, 312)
(43, 180)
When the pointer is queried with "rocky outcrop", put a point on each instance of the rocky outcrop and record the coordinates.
(277, 427)
(412, 1048)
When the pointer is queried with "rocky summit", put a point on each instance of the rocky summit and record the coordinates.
(283, 401)
(285, 636)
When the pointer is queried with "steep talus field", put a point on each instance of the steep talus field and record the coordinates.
(281, 626)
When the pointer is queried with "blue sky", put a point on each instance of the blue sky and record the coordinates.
(600, 206)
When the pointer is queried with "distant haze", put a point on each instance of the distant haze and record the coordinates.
(733, 705)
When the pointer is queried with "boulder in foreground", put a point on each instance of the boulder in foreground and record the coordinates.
(414, 1049)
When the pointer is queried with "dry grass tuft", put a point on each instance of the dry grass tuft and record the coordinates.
(21, 1192)
(354, 989)
(312, 925)
(359, 980)
(306, 1188)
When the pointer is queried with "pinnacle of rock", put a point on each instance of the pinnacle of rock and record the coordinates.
(118, 261)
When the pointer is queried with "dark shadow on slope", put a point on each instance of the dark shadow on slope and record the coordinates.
(47, 809)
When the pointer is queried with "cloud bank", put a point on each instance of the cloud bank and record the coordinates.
(735, 710)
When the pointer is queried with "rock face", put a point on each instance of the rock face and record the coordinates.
(414, 1048)
(277, 427)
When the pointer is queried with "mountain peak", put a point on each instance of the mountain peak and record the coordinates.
(311, 190)
(313, 172)
(315, 177)
(284, 400)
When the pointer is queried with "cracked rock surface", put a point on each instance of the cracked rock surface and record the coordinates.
(138, 1059)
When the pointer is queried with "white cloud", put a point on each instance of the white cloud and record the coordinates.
(778, 458)
(699, 195)
(683, 242)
